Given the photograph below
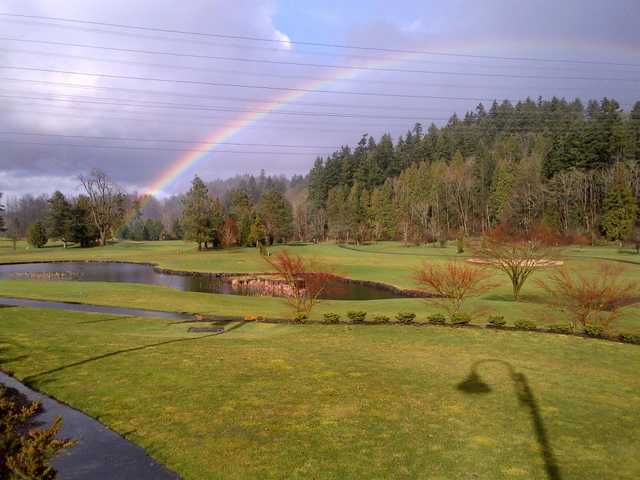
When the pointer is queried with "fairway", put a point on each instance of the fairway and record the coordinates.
(329, 401)
(337, 402)
(390, 263)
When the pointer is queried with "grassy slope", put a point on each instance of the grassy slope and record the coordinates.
(336, 402)
(388, 262)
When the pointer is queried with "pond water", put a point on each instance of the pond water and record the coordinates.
(138, 273)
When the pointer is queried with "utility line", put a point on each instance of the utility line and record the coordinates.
(310, 43)
(349, 67)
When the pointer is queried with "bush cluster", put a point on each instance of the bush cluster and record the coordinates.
(496, 321)
(381, 319)
(405, 317)
(300, 317)
(595, 331)
(357, 316)
(437, 319)
(460, 319)
(630, 338)
(525, 325)
(331, 318)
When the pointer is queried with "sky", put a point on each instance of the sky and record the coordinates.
(155, 91)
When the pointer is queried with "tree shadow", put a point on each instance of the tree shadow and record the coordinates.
(474, 384)
(36, 379)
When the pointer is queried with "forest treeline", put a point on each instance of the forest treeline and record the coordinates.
(572, 167)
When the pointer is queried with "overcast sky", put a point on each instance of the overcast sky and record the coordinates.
(56, 125)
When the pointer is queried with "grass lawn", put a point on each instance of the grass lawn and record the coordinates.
(387, 262)
(338, 402)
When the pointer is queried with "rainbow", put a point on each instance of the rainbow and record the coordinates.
(198, 152)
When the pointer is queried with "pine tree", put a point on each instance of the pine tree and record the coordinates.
(37, 235)
(198, 213)
(620, 209)
(276, 215)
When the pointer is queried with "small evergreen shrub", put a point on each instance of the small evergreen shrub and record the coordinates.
(405, 317)
(525, 325)
(380, 319)
(300, 317)
(496, 321)
(630, 338)
(460, 319)
(37, 235)
(559, 328)
(437, 319)
(331, 318)
(595, 331)
(26, 452)
(357, 316)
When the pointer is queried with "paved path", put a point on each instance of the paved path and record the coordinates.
(101, 453)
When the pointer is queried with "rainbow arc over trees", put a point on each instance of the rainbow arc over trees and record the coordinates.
(208, 144)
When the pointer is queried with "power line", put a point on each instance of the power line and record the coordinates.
(224, 109)
(256, 74)
(200, 107)
(314, 44)
(347, 67)
(164, 140)
(238, 85)
(126, 147)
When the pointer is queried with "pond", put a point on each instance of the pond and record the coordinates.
(339, 289)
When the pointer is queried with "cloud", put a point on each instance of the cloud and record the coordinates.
(136, 129)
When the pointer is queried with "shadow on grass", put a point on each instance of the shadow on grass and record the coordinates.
(108, 319)
(474, 384)
(36, 379)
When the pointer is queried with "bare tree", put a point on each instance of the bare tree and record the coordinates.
(106, 202)
(306, 279)
(592, 299)
(517, 257)
(453, 283)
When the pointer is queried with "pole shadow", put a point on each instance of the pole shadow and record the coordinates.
(474, 384)
(35, 379)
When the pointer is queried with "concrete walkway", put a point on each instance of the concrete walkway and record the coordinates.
(101, 453)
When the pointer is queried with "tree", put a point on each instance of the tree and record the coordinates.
(58, 218)
(37, 235)
(106, 203)
(517, 257)
(276, 215)
(82, 229)
(306, 279)
(619, 209)
(197, 215)
(257, 233)
(453, 283)
(592, 299)
(176, 230)
(229, 233)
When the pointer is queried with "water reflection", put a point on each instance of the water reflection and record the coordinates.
(138, 273)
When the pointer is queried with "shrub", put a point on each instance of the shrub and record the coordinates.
(437, 319)
(560, 328)
(630, 338)
(357, 316)
(496, 321)
(460, 319)
(405, 317)
(525, 325)
(250, 318)
(26, 452)
(331, 318)
(381, 319)
(300, 317)
(595, 331)
(37, 235)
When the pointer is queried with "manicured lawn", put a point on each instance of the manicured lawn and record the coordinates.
(387, 262)
(338, 402)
